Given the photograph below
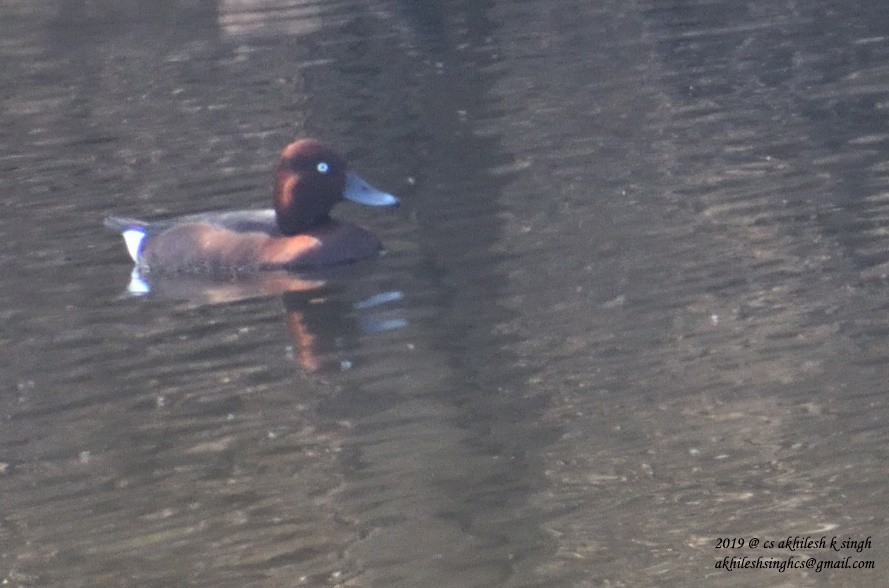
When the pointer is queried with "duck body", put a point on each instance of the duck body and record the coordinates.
(239, 241)
(297, 233)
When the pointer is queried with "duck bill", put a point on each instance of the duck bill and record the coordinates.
(357, 190)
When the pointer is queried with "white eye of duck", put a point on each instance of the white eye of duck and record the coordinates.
(323, 167)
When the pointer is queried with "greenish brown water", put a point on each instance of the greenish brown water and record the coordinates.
(634, 300)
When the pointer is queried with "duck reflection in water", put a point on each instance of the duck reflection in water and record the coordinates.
(324, 311)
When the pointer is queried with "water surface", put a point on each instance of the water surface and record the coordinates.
(634, 299)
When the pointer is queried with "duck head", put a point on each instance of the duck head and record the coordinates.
(310, 179)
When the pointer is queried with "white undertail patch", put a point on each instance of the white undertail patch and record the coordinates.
(133, 238)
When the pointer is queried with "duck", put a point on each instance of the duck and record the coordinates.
(297, 233)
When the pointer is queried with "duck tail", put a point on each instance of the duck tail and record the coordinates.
(121, 224)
